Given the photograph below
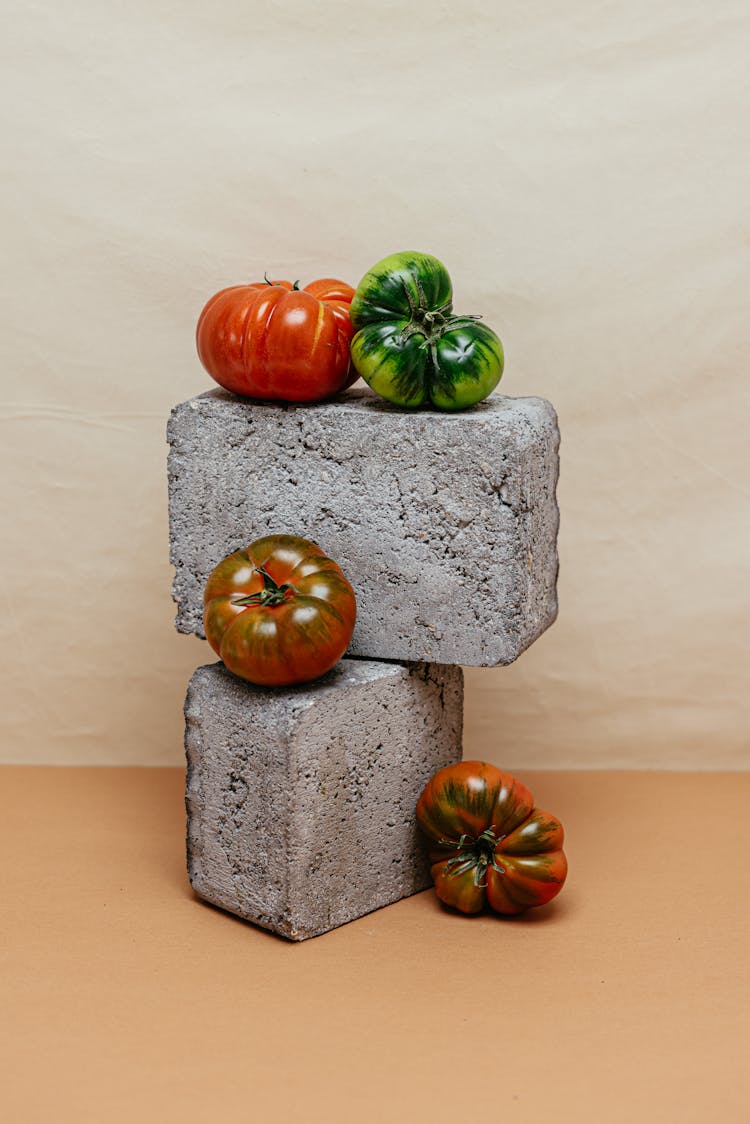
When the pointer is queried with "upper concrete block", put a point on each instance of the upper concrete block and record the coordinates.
(445, 524)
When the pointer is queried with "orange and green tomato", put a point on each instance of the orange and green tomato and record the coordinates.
(488, 843)
(279, 612)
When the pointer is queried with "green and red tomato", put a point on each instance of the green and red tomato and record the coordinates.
(273, 340)
(279, 612)
(410, 347)
(488, 843)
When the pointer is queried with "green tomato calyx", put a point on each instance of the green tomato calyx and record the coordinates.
(432, 323)
(271, 594)
(275, 284)
(474, 852)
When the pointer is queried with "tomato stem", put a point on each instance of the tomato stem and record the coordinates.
(271, 594)
(477, 852)
(432, 324)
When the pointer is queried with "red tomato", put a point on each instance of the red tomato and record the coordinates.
(273, 340)
(279, 612)
(488, 841)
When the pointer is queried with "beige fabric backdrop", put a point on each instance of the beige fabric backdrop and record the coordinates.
(582, 169)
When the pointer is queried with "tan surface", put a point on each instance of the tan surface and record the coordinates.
(584, 174)
(126, 999)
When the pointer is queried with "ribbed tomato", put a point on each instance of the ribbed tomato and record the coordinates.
(488, 841)
(409, 345)
(271, 339)
(279, 612)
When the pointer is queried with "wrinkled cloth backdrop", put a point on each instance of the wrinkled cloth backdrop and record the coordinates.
(584, 174)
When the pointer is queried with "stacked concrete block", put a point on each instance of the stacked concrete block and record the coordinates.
(446, 524)
(301, 801)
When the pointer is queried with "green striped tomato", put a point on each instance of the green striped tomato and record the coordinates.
(279, 612)
(410, 347)
(488, 843)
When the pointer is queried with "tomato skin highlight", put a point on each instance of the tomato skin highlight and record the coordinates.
(410, 347)
(271, 340)
(488, 843)
(279, 612)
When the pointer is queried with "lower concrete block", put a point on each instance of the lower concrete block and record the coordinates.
(301, 803)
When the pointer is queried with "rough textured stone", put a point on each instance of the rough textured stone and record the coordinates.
(301, 802)
(446, 524)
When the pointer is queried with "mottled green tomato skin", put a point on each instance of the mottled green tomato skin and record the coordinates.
(471, 359)
(410, 347)
(525, 882)
(462, 800)
(488, 843)
(393, 363)
(391, 288)
(458, 888)
(463, 367)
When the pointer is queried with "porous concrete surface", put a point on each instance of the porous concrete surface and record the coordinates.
(301, 802)
(445, 524)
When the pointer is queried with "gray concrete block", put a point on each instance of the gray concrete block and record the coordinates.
(301, 802)
(445, 524)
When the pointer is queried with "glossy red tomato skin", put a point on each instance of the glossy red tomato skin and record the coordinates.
(270, 340)
(295, 640)
(488, 843)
